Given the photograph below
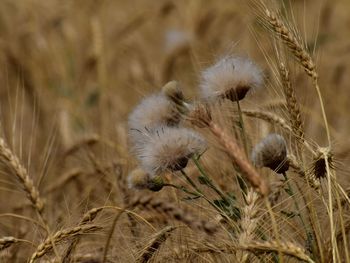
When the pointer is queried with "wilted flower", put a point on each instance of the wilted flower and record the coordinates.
(169, 148)
(139, 179)
(271, 152)
(153, 111)
(231, 78)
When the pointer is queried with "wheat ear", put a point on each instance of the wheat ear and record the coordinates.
(88, 217)
(301, 54)
(14, 164)
(249, 223)
(275, 120)
(153, 246)
(47, 245)
(292, 104)
(297, 49)
(287, 248)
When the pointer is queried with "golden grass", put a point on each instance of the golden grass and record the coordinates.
(72, 71)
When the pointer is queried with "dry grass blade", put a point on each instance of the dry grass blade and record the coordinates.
(153, 246)
(12, 161)
(46, 246)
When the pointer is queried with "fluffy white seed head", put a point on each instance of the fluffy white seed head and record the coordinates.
(231, 77)
(153, 111)
(169, 149)
(271, 152)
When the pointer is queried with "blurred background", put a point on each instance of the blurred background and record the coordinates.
(71, 71)
(67, 58)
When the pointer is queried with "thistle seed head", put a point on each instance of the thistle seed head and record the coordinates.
(319, 167)
(231, 78)
(139, 179)
(271, 152)
(169, 149)
(153, 111)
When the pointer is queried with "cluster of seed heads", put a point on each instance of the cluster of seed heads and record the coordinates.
(158, 139)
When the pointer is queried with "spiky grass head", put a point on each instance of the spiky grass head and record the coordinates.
(169, 149)
(319, 167)
(139, 179)
(271, 152)
(153, 111)
(231, 78)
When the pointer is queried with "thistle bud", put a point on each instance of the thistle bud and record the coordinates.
(139, 179)
(271, 152)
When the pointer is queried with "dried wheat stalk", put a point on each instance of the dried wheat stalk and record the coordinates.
(275, 120)
(292, 104)
(15, 165)
(297, 49)
(47, 245)
(301, 54)
(287, 248)
(88, 217)
(256, 179)
(200, 116)
(154, 244)
(249, 223)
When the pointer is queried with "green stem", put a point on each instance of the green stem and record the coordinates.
(184, 189)
(208, 181)
(200, 193)
(190, 181)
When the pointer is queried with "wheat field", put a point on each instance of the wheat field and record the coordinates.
(174, 131)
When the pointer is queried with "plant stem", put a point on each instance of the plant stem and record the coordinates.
(242, 128)
(200, 193)
(182, 188)
(208, 181)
